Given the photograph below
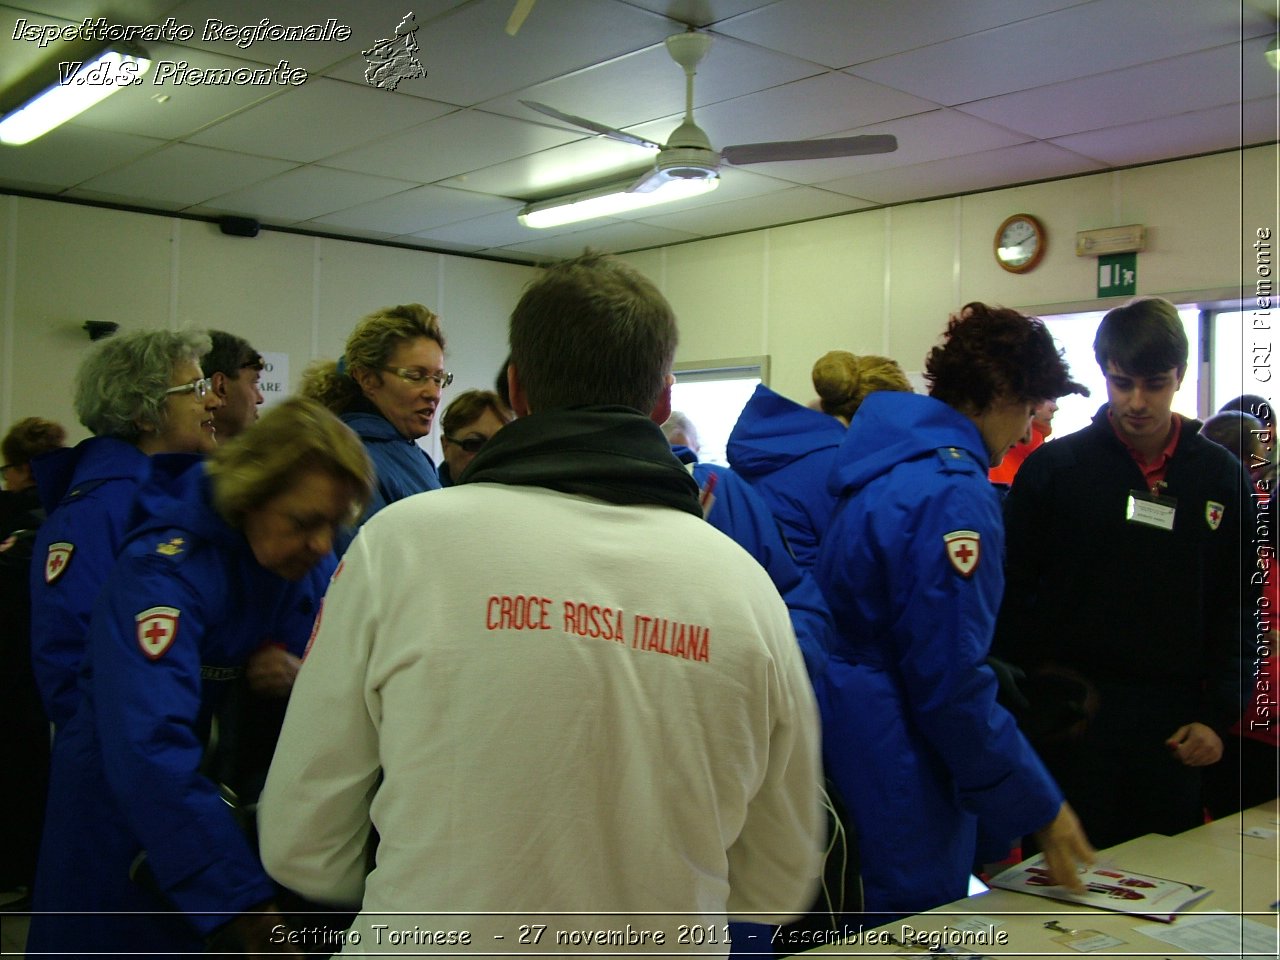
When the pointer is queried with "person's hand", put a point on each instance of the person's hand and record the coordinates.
(1065, 846)
(271, 671)
(255, 933)
(1195, 745)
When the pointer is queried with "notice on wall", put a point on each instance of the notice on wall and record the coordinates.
(274, 382)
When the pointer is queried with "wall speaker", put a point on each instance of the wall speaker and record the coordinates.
(239, 226)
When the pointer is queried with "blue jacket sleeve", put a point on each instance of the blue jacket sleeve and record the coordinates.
(742, 514)
(945, 623)
(61, 603)
(148, 704)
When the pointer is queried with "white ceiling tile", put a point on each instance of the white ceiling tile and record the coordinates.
(1010, 165)
(185, 174)
(559, 36)
(319, 119)
(418, 209)
(1033, 53)
(785, 206)
(1098, 74)
(1185, 84)
(453, 144)
(70, 155)
(649, 85)
(305, 193)
(839, 33)
(368, 22)
(1219, 128)
(795, 111)
(700, 13)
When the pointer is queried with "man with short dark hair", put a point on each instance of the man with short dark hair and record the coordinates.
(1125, 566)
(234, 368)
(588, 699)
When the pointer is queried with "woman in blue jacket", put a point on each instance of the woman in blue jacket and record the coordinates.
(912, 569)
(786, 451)
(140, 854)
(387, 386)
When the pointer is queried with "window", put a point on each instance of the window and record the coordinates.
(712, 394)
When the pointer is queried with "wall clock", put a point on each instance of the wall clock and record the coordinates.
(1019, 243)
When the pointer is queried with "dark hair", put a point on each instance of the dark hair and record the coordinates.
(592, 331)
(469, 406)
(229, 355)
(30, 437)
(1142, 338)
(1238, 432)
(991, 353)
(500, 385)
(1252, 404)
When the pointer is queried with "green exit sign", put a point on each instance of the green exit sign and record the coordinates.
(1118, 275)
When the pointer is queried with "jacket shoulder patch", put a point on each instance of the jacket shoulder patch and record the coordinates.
(964, 550)
(157, 628)
(57, 560)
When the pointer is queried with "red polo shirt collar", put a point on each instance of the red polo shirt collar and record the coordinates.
(1152, 472)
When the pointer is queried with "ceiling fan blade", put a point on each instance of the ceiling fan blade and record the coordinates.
(585, 124)
(809, 149)
(516, 20)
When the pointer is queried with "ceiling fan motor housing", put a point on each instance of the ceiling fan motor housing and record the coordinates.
(687, 163)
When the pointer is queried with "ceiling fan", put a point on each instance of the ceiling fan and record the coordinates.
(688, 154)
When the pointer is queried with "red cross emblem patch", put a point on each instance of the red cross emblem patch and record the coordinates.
(1213, 512)
(157, 629)
(964, 549)
(57, 560)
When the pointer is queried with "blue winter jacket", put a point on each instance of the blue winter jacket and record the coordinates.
(88, 491)
(401, 467)
(913, 737)
(736, 510)
(173, 626)
(785, 452)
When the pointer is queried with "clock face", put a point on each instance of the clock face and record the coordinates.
(1019, 243)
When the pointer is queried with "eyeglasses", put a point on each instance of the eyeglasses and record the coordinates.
(470, 444)
(417, 375)
(199, 387)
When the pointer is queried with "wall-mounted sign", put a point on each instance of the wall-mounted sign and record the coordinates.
(1118, 275)
(274, 382)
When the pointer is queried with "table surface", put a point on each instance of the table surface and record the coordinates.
(1243, 873)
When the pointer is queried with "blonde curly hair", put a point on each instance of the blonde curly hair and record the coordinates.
(843, 380)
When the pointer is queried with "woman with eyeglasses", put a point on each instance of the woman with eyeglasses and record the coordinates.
(140, 852)
(471, 418)
(139, 394)
(386, 387)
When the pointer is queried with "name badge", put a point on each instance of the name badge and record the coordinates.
(1151, 510)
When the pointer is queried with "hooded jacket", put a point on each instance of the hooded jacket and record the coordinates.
(913, 737)
(88, 491)
(175, 622)
(785, 452)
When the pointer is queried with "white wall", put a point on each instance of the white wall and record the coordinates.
(879, 281)
(62, 264)
(885, 281)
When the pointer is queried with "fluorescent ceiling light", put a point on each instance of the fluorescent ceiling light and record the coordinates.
(68, 97)
(605, 201)
(1273, 53)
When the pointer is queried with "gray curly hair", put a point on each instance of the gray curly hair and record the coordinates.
(120, 386)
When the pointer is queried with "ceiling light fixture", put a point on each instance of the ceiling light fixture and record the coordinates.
(1273, 53)
(616, 198)
(29, 116)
